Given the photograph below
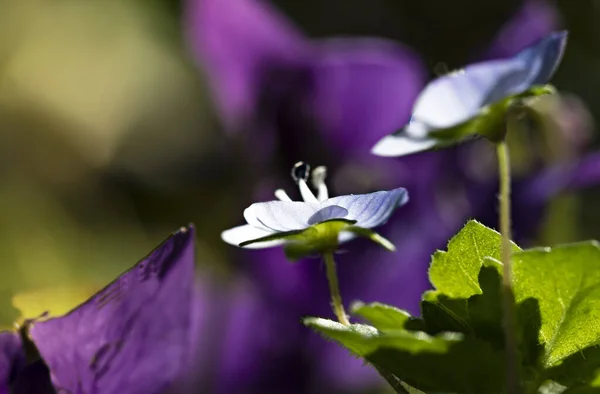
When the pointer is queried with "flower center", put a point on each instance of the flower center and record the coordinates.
(300, 174)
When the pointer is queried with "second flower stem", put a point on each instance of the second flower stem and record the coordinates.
(510, 322)
(334, 289)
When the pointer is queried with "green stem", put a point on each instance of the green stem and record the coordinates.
(510, 323)
(334, 289)
(338, 309)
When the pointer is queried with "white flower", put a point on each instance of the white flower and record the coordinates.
(459, 97)
(317, 224)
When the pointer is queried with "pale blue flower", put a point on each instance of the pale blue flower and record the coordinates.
(473, 92)
(319, 223)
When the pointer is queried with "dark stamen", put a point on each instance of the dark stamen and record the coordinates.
(301, 171)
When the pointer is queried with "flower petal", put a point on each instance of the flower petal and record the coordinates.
(373, 209)
(237, 235)
(236, 40)
(131, 337)
(401, 144)
(460, 96)
(457, 97)
(327, 213)
(12, 359)
(364, 88)
(534, 20)
(544, 56)
(280, 215)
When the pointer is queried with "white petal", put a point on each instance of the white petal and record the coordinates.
(280, 215)
(237, 235)
(544, 56)
(373, 209)
(400, 145)
(459, 96)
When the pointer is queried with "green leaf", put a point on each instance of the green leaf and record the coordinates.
(455, 273)
(566, 282)
(381, 316)
(470, 366)
(362, 339)
(577, 369)
(447, 362)
(582, 390)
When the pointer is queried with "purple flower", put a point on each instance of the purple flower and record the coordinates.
(265, 75)
(138, 335)
(535, 19)
(12, 360)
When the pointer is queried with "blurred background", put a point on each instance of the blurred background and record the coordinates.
(120, 121)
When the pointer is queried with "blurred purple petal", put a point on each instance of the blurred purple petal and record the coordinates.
(237, 42)
(534, 20)
(12, 359)
(363, 89)
(564, 177)
(133, 336)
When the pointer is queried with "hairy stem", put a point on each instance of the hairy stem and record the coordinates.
(510, 323)
(334, 289)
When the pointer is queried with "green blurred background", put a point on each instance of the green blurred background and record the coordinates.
(109, 140)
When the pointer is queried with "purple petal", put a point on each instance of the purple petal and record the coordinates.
(373, 209)
(563, 177)
(237, 41)
(535, 20)
(133, 336)
(12, 359)
(345, 372)
(364, 89)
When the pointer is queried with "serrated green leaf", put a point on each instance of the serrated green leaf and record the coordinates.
(381, 316)
(470, 366)
(481, 316)
(447, 362)
(455, 272)
(566, 282)
(577, 369)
